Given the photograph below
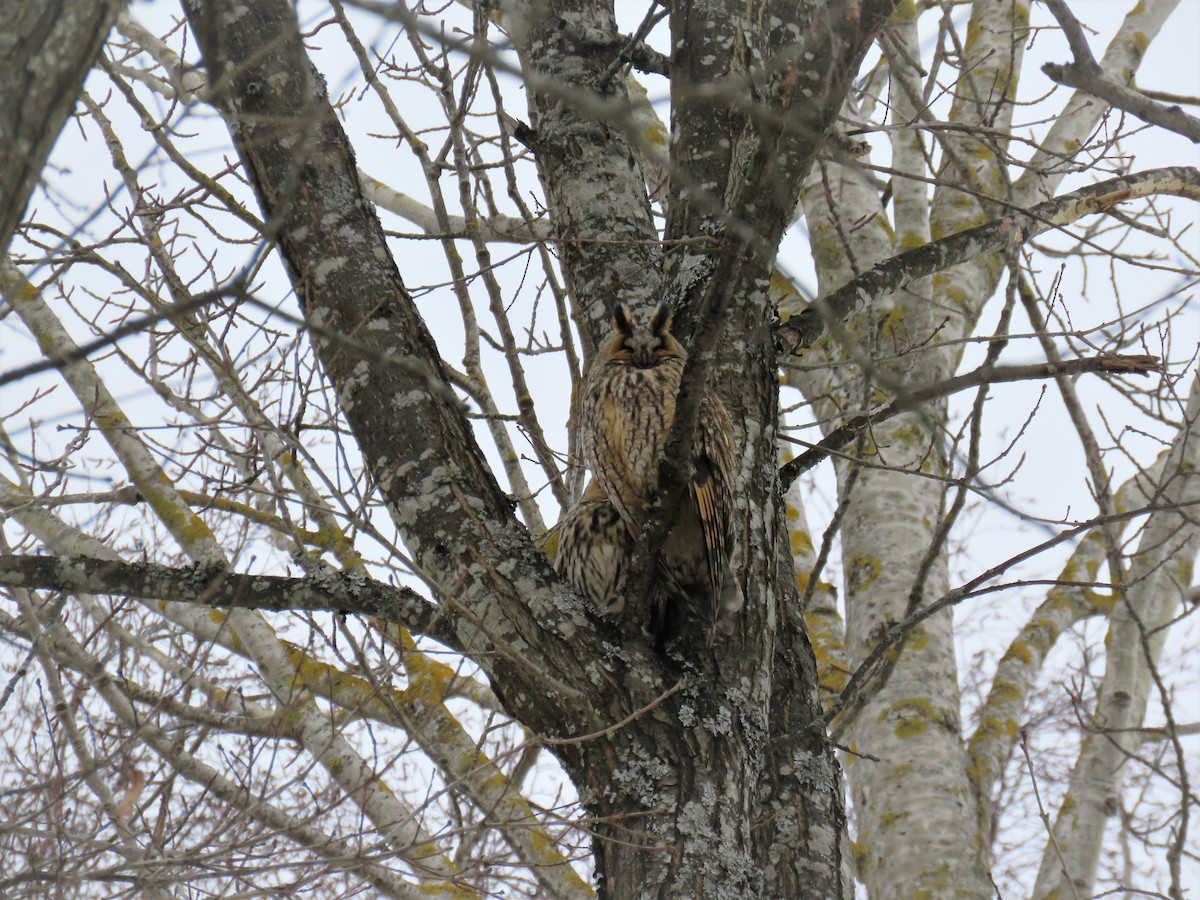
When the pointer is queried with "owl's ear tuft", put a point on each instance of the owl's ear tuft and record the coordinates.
(622, 321)
(663, 317)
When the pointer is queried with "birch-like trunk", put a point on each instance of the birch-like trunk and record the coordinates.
(915, 792)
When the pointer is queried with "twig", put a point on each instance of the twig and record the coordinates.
(1042, 814)
(611, 729)
(841, 436)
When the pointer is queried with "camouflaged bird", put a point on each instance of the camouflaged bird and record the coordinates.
(626, 410)
(594, 550)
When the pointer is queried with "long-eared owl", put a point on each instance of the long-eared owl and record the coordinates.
(626, 410)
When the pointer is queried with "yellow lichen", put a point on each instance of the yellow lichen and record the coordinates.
(861, 572)
(1019, 650)
(911, 728)
(916, 714)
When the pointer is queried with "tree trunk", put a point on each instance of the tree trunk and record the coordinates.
(46, 50)
(724, 787)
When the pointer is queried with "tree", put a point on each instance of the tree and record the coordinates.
(290, 622)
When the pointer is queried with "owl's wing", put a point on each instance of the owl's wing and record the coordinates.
(713, 465)
(707, 493)
(594, 550)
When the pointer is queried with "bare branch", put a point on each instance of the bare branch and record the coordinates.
(1084, 73)
(1011, 230)
(212, 586)
(840, 437)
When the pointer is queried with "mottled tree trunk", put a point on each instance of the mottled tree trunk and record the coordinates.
(708, 774)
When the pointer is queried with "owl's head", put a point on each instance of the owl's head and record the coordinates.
(643, 348)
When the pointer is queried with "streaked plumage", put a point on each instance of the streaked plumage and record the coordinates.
(626, 410)
(594, 550)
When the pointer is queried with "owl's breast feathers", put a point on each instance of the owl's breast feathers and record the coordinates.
(634, 423)
(595, 549)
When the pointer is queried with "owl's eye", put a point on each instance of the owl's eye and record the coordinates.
(622, 352)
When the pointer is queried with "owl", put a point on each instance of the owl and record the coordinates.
(594, 550)
(626, 410)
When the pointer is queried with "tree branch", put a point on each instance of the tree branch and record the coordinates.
(1011, 230)
(214, 586)
(839, 437)
(498, 228)
(419, 447)
(1086, 75)
(1070, 599)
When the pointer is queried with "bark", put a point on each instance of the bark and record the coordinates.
(801, 60)
(46, 50)
(912, 723)
(906, 751)
(904, 748)
(709, 773)
(583, 139)
(909, 728)
(543, 656)
(212, 586)
(415, 440)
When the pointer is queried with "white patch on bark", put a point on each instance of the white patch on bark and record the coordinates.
(327, 266)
